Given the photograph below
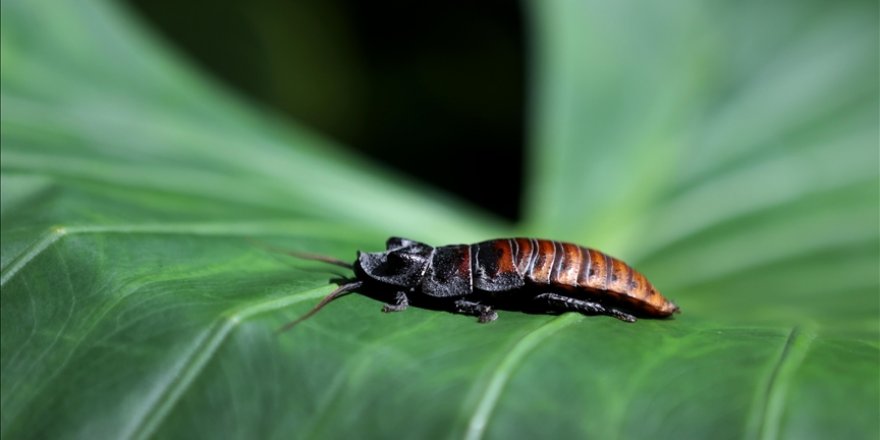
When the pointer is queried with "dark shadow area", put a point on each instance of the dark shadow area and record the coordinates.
(520, 300)
(435, 92)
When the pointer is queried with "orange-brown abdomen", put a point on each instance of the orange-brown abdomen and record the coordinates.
(565, 267)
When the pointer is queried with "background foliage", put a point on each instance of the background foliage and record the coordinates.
(728, 150)
(444, 83)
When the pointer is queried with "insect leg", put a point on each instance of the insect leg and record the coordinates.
(401, 302)
(483, 312)
(562, 302)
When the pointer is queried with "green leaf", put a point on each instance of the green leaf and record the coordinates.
(728, 150)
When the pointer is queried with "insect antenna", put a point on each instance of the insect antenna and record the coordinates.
(321, 258)
(339, 292)
(304, 255)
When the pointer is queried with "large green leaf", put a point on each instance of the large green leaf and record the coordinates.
(729, 149)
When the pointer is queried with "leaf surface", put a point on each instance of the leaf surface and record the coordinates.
(728, 151)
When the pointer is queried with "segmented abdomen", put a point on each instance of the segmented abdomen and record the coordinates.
(570, 268)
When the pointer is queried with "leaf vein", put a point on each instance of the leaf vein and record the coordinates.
(210, 229)
(501, 375)
(32, 252)
(793, 353)
(195, 361)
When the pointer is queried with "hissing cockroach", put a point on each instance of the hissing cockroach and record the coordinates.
(515, 274)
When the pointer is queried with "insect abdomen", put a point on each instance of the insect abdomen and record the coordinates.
(494, 266)
(567, 267)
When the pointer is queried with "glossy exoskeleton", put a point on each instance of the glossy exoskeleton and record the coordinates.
(524, 274)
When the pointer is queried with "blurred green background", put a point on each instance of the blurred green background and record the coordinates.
(729, 151)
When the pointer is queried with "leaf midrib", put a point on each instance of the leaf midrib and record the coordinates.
(229, 229)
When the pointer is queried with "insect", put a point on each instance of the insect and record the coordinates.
(525, 274)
